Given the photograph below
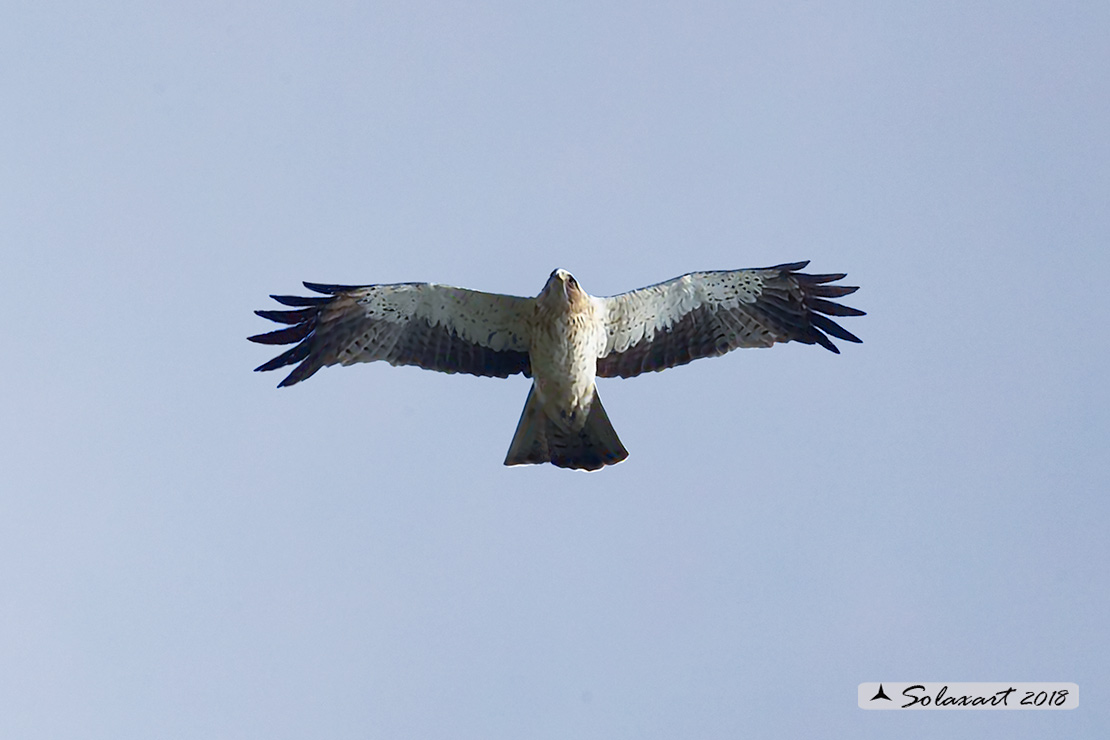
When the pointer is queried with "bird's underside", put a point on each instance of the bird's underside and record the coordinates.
(563, 339)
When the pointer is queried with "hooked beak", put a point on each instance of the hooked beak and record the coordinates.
(564, 283)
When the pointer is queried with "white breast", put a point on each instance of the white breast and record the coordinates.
(564, 352)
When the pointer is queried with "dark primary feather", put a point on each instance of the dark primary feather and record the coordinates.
(331, 289)
(808, 317)
(297, 300)
(285, 336)
(288, 317)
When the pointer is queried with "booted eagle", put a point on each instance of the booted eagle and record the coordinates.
(563, 339)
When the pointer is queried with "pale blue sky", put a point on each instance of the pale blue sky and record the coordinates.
(187, 552)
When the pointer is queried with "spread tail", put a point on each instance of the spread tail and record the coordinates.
(538, 439)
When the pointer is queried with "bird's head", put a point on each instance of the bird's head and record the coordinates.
(562, 287)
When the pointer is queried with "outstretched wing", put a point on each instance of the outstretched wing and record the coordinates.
(705, 314)
(436, 327)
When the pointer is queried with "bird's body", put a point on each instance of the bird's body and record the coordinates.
(563, 421)
(563, 338)
(568, 335)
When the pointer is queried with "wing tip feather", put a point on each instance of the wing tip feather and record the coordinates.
(330, 288)
(815, 291)
(300, 301)
(789, 266)
(300, 330)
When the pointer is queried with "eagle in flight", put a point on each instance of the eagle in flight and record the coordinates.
(563, 339)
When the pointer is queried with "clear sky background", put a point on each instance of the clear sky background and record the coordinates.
(187, 552)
